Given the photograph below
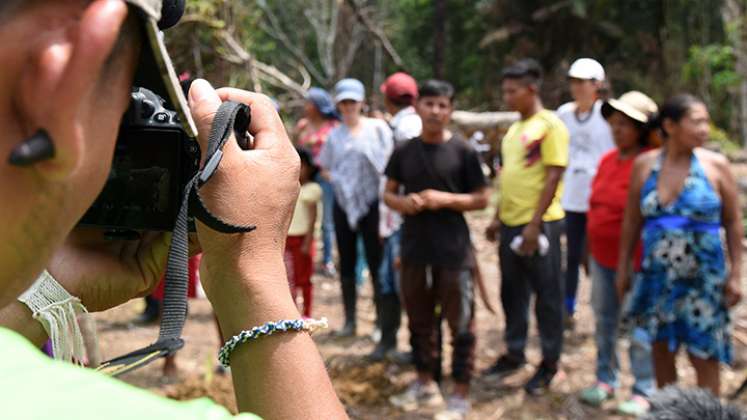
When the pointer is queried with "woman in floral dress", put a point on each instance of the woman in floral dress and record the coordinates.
(681, 196)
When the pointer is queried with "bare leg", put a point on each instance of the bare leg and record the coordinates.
(170, 369)
(707, 371)
(664, 368)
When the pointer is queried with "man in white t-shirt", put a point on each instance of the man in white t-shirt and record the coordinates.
(590, 139)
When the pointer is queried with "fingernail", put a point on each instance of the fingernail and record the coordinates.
(200, 90)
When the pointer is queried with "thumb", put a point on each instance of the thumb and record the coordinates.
(204, 103)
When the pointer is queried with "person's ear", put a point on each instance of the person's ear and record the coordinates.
(63, 68)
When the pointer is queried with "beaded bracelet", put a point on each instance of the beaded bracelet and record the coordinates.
(307, 325)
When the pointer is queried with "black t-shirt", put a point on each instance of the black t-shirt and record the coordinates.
(438, 237)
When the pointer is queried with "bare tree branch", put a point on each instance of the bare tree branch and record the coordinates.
(324, 21)
(275, 30)
(355, 42)
(271, 74)
(377, 32)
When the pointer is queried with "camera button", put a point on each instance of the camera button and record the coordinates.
(162, 117)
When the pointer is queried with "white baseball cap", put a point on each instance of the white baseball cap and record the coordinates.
(586, 69)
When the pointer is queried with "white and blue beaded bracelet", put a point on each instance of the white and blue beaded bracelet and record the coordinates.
(306, 325)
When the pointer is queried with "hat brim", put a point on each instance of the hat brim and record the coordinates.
(612, 105)
(582, 76)
(348, 96)
(156, 72)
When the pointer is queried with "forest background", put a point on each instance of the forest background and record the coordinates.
(659, 47)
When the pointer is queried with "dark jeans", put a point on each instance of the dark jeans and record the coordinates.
(522, 276)
(368, 229)
(575, 233)
(429, 294)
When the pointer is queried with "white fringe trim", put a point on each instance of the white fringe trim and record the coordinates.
(57, 311)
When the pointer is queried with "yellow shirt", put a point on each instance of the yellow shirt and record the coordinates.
(527, 149)
(310, 193)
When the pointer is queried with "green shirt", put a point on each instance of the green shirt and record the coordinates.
(32, 386)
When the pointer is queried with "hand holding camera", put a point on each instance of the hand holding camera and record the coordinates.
(258, 187)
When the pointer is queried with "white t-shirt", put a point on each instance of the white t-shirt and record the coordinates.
(591, 138)
(406, 125)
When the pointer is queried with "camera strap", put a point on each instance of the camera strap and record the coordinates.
(231, 118)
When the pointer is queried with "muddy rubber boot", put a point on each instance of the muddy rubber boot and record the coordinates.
(390, 315)
(349, 297)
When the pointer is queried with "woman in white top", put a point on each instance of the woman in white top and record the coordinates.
(590, 139)
(354, 159)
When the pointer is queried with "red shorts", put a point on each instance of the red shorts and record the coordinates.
(194, 277)
(298, 264)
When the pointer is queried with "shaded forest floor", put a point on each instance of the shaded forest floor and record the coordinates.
(365, 387)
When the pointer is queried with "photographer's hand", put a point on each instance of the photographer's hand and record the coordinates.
(244, 274)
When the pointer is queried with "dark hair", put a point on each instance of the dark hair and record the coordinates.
(675, 108)
(308, 159)
(690, 404)
(402, 101)
(527, 69)
(644, 132)
(432, 87)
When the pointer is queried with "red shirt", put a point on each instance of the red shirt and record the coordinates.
(609, 195)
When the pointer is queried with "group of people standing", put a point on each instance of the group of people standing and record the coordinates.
(640, 202)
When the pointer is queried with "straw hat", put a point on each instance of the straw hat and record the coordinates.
(633, 104)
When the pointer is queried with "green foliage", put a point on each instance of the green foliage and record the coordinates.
(726, 144)
(710, 69)
(659, 47)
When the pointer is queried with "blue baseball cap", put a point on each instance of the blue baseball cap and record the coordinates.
(322, 101)
(349, 89)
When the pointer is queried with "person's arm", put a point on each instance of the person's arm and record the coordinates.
(531, 232)
(732, 222)
(283, 375)
(406, 204)
(491, 232)
(476, 200)
(631, 226)
(325, 158)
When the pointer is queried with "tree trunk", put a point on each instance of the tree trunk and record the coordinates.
(734, 16)
(439, 38)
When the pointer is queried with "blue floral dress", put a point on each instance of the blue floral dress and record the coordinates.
(679, 293)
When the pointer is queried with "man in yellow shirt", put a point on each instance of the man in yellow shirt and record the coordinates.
(534, 155)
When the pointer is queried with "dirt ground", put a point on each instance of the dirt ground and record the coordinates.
(365, 387)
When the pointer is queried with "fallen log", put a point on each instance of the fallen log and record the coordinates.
(472, 121)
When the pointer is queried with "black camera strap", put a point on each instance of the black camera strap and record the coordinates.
(231, 118)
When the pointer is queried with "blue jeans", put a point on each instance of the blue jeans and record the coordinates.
(328, 220)
(388, 275)
(607, 310)
(361, 263)
(575, 234)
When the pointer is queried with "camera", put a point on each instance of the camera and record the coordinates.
(154, 159)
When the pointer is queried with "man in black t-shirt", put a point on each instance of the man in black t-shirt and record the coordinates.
(441, 177)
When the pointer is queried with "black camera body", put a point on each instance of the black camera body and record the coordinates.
(153, 161)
